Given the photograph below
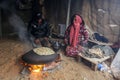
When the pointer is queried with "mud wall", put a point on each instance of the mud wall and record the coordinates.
(100, 16)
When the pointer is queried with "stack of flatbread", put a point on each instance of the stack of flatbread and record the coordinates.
(43, 51)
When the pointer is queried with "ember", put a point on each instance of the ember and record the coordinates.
(35, 72)
(36, 68)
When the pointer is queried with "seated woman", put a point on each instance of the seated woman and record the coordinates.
(75, 36)
(39, 29)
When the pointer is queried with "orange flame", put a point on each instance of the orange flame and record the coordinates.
(36, 68)
(36, 71)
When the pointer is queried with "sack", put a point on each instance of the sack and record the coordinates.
(71, 51)
(115, 66)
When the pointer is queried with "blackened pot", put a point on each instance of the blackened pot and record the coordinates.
(32, 58)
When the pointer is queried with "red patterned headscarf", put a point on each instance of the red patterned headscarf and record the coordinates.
(74, 30)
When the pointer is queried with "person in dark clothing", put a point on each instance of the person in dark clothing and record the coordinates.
(39, 28)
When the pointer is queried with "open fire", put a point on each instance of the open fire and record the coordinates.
(41, 67)
(38, 72)
(33, 68)
(36, 68)
(39, 61)
(35, 72)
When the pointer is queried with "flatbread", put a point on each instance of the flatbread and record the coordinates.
(43, 51)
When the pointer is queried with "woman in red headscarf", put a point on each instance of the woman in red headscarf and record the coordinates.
(75, 35)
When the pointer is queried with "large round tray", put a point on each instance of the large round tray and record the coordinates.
(32, 58)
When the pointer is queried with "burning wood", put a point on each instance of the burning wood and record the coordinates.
(41, 67)
(38, 72)
(51, 66)
(35, 72)
(36, 68)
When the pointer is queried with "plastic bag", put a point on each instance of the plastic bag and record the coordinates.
(115, 66)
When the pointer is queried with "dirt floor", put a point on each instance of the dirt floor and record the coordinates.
(69, 69)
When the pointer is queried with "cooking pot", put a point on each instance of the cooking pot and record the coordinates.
(32, 58)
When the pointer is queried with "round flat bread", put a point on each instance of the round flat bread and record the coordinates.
(43, 51)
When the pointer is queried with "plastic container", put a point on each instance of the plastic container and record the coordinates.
(102, 67)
